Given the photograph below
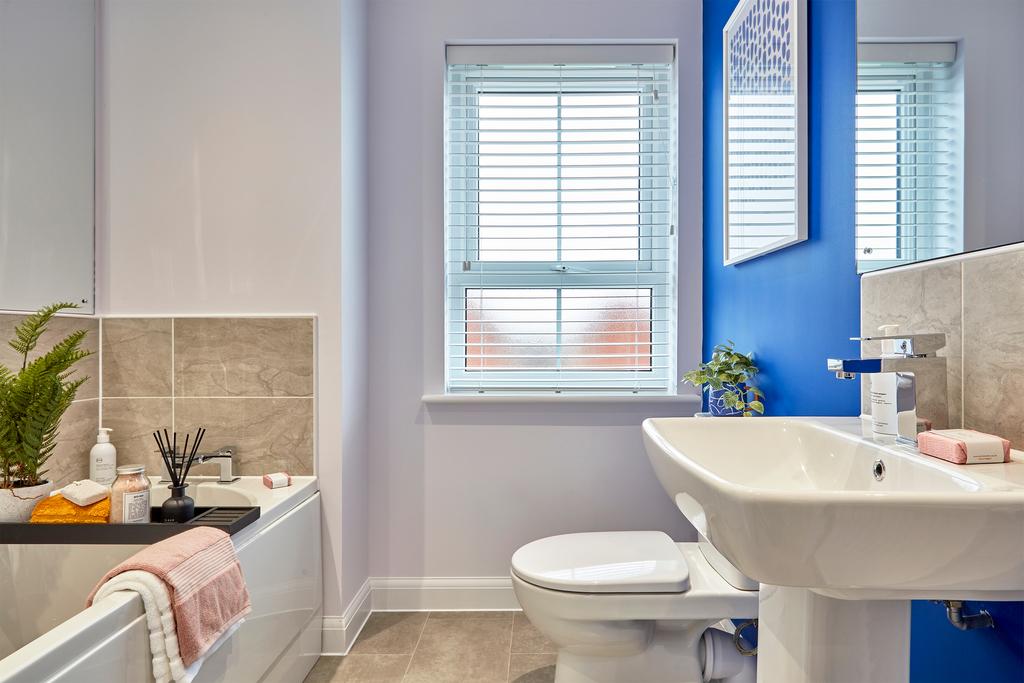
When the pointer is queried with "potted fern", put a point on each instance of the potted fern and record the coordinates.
(726, 380)
(32, 401)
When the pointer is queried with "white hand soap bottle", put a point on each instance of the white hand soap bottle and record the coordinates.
(884, 419)
(103, 459)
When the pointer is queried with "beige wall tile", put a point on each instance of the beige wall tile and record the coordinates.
(136, 357)
(994, 345)
(271, 434)
(70, 459)
(243, 356)
(920, 300)
(134, 420)
(58, 328)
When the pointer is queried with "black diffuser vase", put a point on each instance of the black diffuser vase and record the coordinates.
(179, 507)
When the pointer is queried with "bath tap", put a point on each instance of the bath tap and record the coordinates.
(224, 457)
(912, 354)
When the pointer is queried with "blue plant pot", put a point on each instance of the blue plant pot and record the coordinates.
(716, 403)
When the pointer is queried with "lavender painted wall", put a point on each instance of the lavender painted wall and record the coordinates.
(456, 489)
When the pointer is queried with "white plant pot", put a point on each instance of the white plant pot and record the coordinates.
(16, 504)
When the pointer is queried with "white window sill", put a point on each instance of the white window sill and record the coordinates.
(632, 399)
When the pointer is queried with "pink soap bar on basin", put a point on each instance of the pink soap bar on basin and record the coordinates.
(950, 448)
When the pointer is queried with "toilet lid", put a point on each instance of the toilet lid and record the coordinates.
(605, 562)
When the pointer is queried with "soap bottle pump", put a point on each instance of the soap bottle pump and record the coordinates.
(103, 459)
(884, 417)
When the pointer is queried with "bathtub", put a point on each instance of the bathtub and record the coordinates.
(46, 635)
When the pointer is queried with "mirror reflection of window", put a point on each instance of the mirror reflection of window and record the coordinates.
(909, 149)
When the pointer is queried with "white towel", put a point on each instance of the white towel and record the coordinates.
(163, 637)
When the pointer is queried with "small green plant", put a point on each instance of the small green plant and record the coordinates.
(729, 372)
(34, 398)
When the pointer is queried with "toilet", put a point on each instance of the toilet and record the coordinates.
(633, 607)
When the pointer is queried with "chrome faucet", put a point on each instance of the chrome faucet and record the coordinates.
(223, 456)
(912, 353)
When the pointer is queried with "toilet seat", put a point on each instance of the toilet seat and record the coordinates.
(604, 562)
(709, 596)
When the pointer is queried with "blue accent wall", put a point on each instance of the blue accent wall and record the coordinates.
(797, 306)
(794, 307)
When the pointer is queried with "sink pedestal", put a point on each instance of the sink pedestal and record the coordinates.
(804, 637)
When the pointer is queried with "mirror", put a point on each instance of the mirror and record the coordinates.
(47, 130)
(940, 146)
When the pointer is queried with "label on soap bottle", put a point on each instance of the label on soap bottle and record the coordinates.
(884, 419)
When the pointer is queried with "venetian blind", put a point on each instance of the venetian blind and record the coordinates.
(560, 247)
(909, 151)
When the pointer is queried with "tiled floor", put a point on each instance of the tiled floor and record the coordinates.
(443, 647)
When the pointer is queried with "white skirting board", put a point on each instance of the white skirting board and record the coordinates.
(340, 632)
(412, 594)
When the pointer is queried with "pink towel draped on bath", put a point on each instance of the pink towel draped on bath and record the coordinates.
(205, 583)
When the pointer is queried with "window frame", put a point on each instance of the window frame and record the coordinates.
(619, 274)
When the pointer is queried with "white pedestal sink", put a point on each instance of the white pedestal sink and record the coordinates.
(841, 532)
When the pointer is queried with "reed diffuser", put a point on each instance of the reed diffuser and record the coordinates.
(179, 507)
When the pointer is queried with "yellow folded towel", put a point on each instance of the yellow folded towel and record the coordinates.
(59, 510)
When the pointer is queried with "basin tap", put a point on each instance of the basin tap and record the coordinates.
(224, 458)
(911, 355)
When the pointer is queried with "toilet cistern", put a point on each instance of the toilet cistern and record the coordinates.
(911, 355)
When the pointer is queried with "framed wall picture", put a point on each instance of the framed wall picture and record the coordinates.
(765, 128)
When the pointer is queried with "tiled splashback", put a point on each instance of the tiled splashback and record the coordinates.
(977, 300)
(249, 381)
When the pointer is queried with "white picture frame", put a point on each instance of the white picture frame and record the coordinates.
(764, 180)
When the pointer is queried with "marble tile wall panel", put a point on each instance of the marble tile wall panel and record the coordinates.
(137, 357)
(248, 381)
(243, 357)
(920, 300)
(978, 301)
(994, 345)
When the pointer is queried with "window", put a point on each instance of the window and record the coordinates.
(909, 143)
(560, 202)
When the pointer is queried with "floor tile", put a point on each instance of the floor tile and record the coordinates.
(526, 639)
(532, 668)
(324, 670)
(390, 633)
(453, 650)
(472, 615)
(360, 669)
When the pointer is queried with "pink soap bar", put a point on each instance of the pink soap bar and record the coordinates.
(952, 449)
(277, 480)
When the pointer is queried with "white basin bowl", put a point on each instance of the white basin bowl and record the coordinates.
(795, 502)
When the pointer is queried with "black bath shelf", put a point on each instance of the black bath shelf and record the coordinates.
(228, 519)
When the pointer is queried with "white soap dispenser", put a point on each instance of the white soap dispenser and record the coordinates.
(103, 459)
(884, 418)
